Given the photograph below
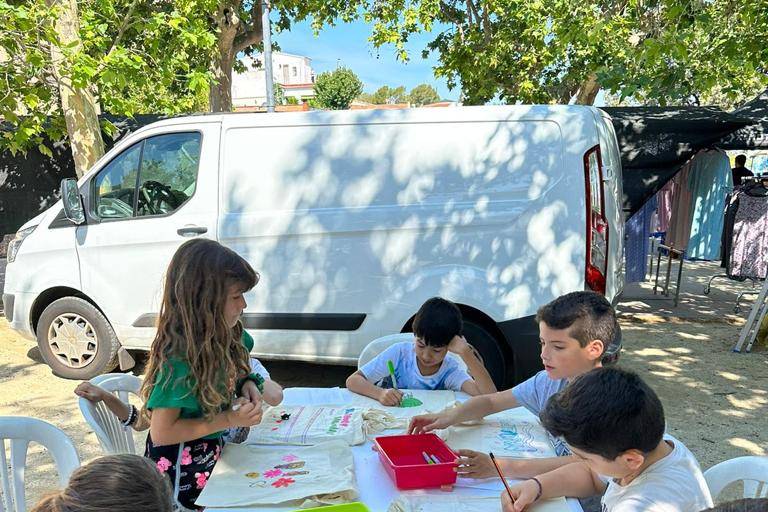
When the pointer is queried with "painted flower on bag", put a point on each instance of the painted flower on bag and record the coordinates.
(186, 456)
(202, 479)
(290, 458)
(163, 465)
(273, 473)
(283, 482)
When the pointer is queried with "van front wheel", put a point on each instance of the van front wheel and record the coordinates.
(76, 340)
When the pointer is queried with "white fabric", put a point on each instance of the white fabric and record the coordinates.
(257, 367)
(257, 475)
(431, 401)
(454, 503)
(451, 374)
(308, 425)
(672, 484)
(376, 488)
(513, 433)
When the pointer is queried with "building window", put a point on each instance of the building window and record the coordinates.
(295, 71)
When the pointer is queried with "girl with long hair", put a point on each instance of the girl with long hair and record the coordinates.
(198, 364)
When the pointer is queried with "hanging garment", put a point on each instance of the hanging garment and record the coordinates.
(749, 253)
(248, 475)
(638, 230)
(729, 217)
(679, 229)
(709, 181)
(664, 198)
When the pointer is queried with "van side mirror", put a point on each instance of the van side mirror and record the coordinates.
(73, 203)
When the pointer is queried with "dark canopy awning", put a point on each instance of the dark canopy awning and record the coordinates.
(656, 141)
(754, 136)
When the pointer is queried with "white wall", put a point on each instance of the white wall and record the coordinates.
(249, 88)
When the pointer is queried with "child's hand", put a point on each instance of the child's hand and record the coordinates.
(390, 397)
(251, 393)
(459, 346)
(524, 494)
(90, 392)
(244, 414)
(427, 422)
(475, 465)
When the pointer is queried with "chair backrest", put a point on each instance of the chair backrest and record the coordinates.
(378, 346)
(113, 437)
(751, 470)
(20, 431)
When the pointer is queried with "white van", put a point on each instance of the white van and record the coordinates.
(352, 218)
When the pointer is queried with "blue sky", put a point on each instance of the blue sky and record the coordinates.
(348, 44)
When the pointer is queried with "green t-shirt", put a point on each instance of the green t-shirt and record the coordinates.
(178, 394)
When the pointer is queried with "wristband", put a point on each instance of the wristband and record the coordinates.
(538, 495)
(132, 416)
(258, 380)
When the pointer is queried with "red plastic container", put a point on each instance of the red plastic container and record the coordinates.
(402, 457)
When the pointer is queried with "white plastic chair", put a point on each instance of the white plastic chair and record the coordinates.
(20, 431)
(112, 436)
(378, 346)
(752, 471)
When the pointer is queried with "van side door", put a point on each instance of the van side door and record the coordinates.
(141, 205)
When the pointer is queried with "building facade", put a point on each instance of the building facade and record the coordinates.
(293, 72)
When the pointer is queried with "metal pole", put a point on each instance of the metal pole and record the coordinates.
(267, 28)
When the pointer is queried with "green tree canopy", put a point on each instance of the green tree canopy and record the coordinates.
(423, 94)
(336, 89)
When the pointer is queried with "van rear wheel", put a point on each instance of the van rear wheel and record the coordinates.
(489, 350)
(76, 339)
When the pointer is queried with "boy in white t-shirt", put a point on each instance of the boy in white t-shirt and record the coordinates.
(614, 422)
(425, 363)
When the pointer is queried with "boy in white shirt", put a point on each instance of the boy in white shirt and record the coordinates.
(614, 423)
(425, 363)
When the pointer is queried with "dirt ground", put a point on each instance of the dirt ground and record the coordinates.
(716, 401)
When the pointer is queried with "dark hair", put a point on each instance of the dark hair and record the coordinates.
(741, 159)
(588, 316)
(606, 412)
(743, 505)
(117, 483)
(437, 322)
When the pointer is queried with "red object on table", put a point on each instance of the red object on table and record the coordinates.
(403, 459)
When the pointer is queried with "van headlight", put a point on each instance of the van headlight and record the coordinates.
(13, 247)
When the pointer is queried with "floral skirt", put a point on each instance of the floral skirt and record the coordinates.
(188, 465)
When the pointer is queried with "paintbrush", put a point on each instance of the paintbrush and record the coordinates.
(504, 480)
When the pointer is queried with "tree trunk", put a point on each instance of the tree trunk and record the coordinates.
(78, 104)
(588, 91)
(220, 96)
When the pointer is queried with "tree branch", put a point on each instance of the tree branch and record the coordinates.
(255, 31)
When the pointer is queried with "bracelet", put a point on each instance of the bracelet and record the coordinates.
(541, 490)
(258, 380)
(131, 419)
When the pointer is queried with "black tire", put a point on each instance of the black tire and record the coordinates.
(490, 351)
(96, 351)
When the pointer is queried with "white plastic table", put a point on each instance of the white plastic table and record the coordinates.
(376, 488)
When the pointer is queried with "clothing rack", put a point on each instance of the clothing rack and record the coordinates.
(750, 182)
(754, 321)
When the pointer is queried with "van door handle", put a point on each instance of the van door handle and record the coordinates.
(192, 230)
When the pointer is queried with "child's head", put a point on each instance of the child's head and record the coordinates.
(609, 417)
(575, 330)
(117, 483)
(199, 320)
(434, 326)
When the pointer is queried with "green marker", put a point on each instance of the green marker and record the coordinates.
(391, 368)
